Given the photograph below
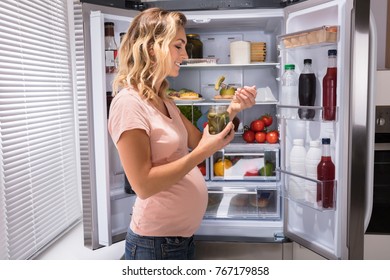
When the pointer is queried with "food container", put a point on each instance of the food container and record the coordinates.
(258, 51)
(194, 46)
(218, 118)
(240, 52)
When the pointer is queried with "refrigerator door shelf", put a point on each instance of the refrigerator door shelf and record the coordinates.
(292, 112)
(324, 35)
(308, 191)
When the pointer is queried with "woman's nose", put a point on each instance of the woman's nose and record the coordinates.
(184, 54)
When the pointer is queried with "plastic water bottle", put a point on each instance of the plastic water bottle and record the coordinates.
(313, 158)
(289, 91)
(297, 166)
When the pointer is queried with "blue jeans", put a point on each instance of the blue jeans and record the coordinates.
(158, 248)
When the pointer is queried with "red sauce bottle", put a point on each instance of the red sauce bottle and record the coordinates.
(325, 174)
(329, 87)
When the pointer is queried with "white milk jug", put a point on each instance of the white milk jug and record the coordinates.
(313, 157)
(296, 186)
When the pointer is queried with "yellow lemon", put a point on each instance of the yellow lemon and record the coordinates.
(220, 166)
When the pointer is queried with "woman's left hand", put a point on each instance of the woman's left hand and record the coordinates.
(244, 98)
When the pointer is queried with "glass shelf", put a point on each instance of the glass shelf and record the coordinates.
(254, 65)
(213, 102)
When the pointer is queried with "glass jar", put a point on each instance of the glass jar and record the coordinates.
(194, 46)
(218, 118)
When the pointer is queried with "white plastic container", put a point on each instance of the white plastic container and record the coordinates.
(240, 52)
(313, 157)
(296, 186)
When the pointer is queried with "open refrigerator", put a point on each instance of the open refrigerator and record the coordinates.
(255, 209)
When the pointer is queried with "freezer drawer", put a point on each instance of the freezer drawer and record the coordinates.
(245, 202)
(222, 250)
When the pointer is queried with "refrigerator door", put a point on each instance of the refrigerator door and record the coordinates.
(109, 216)
(336, 232)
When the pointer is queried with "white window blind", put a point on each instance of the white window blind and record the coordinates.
(39, 184)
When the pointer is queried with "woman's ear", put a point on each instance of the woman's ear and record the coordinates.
(151, 51)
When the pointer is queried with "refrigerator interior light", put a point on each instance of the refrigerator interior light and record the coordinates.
(201, 20)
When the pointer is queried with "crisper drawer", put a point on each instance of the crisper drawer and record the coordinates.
(245, 162)
(243, 202)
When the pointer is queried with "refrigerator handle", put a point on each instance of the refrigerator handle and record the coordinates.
(371, 120)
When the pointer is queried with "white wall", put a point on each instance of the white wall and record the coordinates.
(383, 88)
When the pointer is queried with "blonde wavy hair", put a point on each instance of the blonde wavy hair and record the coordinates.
(143, 57)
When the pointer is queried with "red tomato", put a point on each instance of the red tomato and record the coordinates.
(260, 136)
(267, 119)
(272, 136)
(257, 125)
(202, 169)
(249, 136)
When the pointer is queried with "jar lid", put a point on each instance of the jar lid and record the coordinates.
(108, 24)
(332, 52)
(325, 141)
(307, 61)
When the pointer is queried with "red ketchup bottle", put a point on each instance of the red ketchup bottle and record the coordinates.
(325, 174)
(329, 87)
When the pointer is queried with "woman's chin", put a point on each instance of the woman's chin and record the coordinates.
(174, 74)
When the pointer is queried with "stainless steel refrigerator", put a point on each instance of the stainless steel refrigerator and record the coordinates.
(292, 31)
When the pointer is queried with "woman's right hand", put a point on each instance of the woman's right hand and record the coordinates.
(209, 144)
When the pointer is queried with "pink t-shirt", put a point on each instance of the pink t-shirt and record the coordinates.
(179, 210)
